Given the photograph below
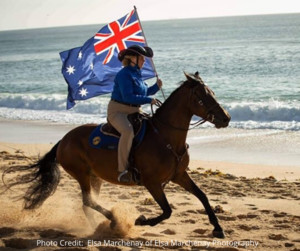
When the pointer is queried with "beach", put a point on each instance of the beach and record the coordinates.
(257, 204)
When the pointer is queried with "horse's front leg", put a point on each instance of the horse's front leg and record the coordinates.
(188, 184)
(158, 194)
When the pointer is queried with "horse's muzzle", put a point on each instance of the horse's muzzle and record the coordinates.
(222, 122)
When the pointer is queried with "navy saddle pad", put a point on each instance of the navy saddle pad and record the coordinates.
(106, 140)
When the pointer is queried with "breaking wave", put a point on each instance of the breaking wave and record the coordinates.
(270, 114)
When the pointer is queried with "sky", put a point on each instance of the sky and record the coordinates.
(24, 14)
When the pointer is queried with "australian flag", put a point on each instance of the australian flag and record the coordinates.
(90, 70)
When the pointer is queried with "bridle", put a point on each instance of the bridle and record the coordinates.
(210, 117)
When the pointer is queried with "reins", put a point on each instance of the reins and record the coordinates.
(194, 125)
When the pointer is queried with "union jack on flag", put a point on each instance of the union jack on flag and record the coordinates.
(114, 36)
(90, 70)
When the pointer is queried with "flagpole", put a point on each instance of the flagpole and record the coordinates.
(151, 59)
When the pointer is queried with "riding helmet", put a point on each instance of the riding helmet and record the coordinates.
(136, 50)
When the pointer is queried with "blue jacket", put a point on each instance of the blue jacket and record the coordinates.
(130, 88)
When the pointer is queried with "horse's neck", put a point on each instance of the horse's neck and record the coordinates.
(173, 122)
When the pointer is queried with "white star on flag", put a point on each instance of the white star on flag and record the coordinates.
(80, 55)
(70, 69)
(80, 82)
(92, 66)
(83, 92)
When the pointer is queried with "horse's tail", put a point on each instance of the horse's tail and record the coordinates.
(43, 177)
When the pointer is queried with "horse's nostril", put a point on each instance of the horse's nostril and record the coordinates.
(226, 120)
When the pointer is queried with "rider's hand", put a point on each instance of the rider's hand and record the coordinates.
(159, 83)
(154, 101)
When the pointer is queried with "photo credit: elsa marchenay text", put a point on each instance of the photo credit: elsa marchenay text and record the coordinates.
(147, 243)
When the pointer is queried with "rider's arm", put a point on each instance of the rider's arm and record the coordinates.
(126, 88)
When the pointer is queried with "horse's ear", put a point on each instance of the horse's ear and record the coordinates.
(194, 78)
(197, 76)
(190, 77)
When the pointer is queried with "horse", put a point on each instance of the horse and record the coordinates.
(161, 157)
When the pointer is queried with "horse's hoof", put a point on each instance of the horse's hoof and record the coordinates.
(139, 221)
(218, 234)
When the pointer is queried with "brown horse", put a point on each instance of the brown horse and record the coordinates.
(161, 157)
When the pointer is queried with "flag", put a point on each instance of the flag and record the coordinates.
(90, 70)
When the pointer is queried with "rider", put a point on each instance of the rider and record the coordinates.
(129, 93)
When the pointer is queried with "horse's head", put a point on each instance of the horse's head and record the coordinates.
(204, 104)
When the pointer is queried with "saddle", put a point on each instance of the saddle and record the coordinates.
(135, 119)
(107, 137)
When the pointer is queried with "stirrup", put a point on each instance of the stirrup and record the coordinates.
(125, 177)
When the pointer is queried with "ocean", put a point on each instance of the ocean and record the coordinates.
(252, 63)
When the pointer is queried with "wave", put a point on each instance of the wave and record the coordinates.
(269, 114)
(265, 111)
(54, 102)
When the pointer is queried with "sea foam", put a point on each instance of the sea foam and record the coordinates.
(270, 114)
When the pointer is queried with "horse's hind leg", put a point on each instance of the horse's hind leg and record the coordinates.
(187, 183)
(88, 202)
(96, 183)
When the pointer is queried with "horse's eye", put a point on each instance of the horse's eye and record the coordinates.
(200, 102)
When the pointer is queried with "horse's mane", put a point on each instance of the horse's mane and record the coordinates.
(181, 84)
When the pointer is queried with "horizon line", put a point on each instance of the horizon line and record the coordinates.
(149, 20)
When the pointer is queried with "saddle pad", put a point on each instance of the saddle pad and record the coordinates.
(99, 140)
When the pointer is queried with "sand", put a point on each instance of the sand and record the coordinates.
(259, 210)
